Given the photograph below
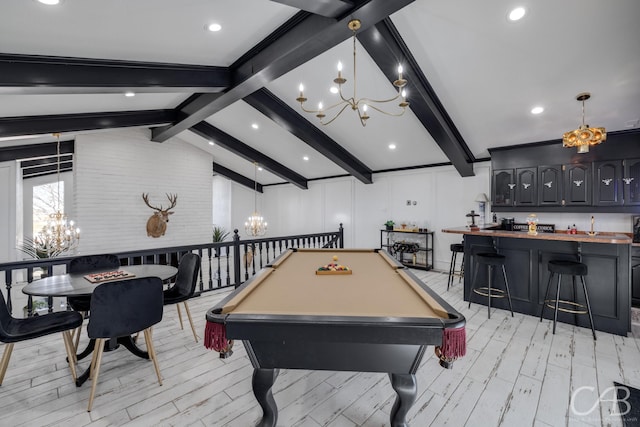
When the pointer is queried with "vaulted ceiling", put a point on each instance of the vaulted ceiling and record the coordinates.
(473, 76)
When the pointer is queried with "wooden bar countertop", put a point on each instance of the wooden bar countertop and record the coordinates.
(600, 237)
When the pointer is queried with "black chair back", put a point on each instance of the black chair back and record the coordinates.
(5, 320)
(123, 308)
(186, 279)
(91, 263)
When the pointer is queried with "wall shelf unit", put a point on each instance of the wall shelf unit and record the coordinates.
(412, 248)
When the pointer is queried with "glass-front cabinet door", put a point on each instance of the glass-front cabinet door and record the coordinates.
(503, 187)
(631, 182)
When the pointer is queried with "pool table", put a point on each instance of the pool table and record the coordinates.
(374, 317)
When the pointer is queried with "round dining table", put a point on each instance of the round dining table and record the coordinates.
(75, 284)
(78, 284)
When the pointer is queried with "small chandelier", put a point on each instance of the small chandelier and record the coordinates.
(359, 105)
(584, 136)
(255, 225)
(59, 234)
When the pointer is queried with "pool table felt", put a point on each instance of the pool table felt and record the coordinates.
(376, 288)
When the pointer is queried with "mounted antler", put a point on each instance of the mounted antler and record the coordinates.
(157, 223)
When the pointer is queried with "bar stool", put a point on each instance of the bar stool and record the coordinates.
(491, 260)
(573, 268)
(456, 248)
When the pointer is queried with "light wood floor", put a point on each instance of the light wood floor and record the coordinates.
(515, 373)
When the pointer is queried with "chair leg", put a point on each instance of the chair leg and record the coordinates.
(5, 360)
(490, 272)
(152, 353)
(71, 353)
(461, 270)
(95, 369)
(451, 269)
(179, 315)
(193, 328)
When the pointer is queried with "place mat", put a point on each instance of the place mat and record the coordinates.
(109, 275)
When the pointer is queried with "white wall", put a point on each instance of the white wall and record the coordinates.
(442, 199)
(113, 169)
(8, 210)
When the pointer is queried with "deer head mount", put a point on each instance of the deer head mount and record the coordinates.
(157, 223)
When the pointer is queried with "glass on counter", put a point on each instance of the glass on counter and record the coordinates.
(532, 222)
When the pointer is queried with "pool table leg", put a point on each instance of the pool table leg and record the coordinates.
(407, 389)
(262, 382)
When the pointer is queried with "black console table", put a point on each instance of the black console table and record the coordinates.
(412, 248)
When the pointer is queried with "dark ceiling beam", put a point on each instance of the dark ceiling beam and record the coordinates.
(299, 40)
(234, 176)
(386, 47)
(50, 75)
(36, 125)
(31, 151)
(328, 8)
(241, 149)
(271, 106)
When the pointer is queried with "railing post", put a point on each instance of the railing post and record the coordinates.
(341, 234)
(236, 257)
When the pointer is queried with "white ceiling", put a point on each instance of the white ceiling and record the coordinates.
(487, 72)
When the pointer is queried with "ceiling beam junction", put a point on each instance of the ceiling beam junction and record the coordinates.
(236, 177)
(386, 47)
(300, 39)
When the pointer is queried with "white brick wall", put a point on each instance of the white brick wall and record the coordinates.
(113, 169)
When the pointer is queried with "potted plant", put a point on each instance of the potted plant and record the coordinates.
(389, 225)
(219, 234)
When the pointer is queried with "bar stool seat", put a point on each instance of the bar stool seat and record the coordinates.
(573, 269)
(456, 248)
(492, 261)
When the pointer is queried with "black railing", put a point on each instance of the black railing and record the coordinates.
(223, 264)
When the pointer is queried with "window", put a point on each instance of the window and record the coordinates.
(46, 200)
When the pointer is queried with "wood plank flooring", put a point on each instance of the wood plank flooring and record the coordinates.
(515, 373)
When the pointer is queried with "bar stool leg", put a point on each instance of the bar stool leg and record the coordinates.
(555, 312)
(506, 285)
(461, 270)
(546, 296)
(586, 299)
(452, 268)
(490, 272)
(473, 284)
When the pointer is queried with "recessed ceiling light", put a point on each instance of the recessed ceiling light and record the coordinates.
(211, 143)
(537, 110)
(517, 14)
(260, 168)
(214, 27)
(392, 146)
(129, 94)
(333, 89)
(255, 125)
(50, 2)
(305, 158)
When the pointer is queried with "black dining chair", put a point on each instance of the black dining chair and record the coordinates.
(13, 330)
(119, 309)
(88, 264)
(184, 286)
